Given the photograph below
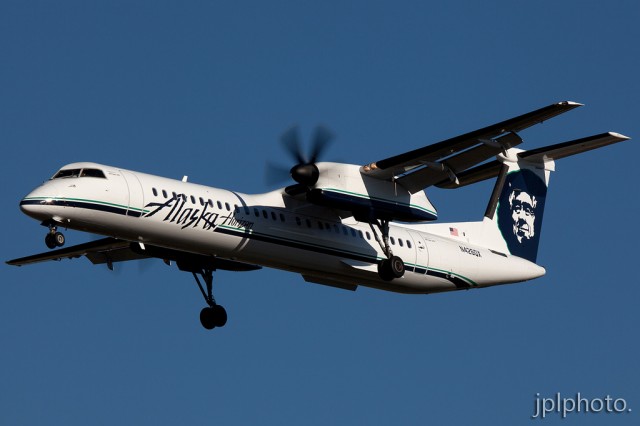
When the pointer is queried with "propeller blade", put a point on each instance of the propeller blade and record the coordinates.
(321, 139)
(304, 171)
(276, 173)
(291, 141)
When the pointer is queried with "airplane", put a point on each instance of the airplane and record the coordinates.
(340, 225)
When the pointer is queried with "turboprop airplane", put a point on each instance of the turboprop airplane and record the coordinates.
(340, 225)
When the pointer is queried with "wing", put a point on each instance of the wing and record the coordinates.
(551, 152)
(109, 250)
(423, 167)
(100, 251)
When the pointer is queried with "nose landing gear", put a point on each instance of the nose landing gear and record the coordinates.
(54, 238)
(213, 315)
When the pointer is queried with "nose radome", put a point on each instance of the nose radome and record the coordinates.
(34, 205)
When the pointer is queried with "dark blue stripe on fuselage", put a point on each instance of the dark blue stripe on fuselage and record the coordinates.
(83, 205)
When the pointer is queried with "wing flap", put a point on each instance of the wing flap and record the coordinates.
(389, 167)
(448, 169)
(330, 282)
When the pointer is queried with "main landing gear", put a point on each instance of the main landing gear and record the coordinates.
(54, 238)
(393, 266)
(213, 315)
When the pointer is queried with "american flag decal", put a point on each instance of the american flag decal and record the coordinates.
(453, 231)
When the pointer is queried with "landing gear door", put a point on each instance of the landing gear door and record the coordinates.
(136, 196)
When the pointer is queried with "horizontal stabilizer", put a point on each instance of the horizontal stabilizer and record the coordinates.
(561, 150)
(552, 152)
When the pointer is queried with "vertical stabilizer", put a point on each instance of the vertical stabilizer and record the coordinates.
(513, 219)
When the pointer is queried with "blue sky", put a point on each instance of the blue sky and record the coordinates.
(205, 89)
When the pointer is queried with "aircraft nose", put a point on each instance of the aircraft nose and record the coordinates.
(34, 205)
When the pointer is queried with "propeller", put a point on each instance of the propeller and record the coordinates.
(305, 171)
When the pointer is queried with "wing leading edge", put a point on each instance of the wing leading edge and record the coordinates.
(423, 167)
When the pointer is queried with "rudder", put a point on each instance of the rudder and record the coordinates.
(517, 205)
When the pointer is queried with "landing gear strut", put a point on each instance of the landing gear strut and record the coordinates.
(54, 238)
(213, 315)
(393, 266)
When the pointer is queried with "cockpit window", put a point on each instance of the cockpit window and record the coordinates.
(92, 173)
(71, 173)
(67, 173)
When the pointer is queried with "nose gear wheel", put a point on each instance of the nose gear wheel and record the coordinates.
(213, 315)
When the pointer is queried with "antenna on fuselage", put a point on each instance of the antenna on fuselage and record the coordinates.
(184, 178)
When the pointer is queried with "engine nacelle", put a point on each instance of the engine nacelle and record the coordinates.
(343, 187)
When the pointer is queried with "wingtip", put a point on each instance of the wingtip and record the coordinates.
(571, 103)
(619, 136)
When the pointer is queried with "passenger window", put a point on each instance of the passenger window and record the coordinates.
(155, 192)
(201, 201)
(308, 223)
(247, 211)
(256, 212)
(193, 199)
(210, 201)
(361, 234)
(408, 243)
(320, 225)
(219, 205)
(353, 232)
(281, 217)
(344, 230)
(393, 241)
(400, 242)
(298, 221)
(368, 235)
(164, 193)
(264, 214)
(273, 216)
(226, 206)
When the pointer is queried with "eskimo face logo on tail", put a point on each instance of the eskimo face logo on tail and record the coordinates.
(520, 211)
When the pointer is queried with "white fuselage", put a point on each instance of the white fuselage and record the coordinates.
(271, 230)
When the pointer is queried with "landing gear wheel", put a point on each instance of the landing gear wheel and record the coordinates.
(219, 315)
(58, 239)
(213, 316)
(391, 268)
(207, 318)
(396, 266)
(50, 241)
